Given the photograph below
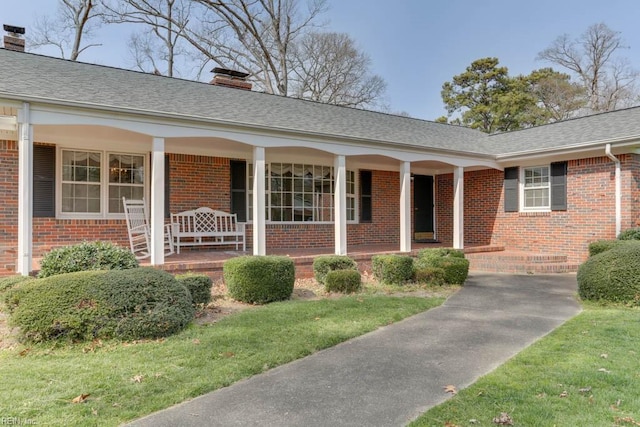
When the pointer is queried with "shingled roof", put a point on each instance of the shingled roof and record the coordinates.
(25, 76)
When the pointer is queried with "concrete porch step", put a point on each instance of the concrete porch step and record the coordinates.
(520, 262)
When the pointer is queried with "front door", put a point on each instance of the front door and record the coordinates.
(423, 223)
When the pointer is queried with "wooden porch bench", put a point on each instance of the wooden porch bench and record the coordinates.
(205, 226)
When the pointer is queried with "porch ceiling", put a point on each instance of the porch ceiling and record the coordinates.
(8, 116)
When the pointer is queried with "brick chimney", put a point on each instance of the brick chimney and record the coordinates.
(14, 39)
(230, 78)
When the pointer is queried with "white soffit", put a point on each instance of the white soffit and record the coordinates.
(8, 123)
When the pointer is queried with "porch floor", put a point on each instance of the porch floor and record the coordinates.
(482, 258)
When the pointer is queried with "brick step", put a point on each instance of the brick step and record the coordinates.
(520, 262)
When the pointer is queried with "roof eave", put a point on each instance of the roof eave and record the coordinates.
(248, 126)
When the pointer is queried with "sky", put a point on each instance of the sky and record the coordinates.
(417, 45)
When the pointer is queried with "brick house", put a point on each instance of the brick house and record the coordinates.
(75, 138)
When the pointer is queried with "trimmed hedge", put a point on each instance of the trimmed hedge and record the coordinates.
(127, 304)
(612, 276)
(199, 286)
(7, 283)
(344, 281)
(431, 253)
(86, 256)
(326, 263)
(392, 269)
(630, 234)
(430, 275)
(259, 279)
(452, 261)
(456, 270)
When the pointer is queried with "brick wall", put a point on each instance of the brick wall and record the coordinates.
(199, 181)
(590, 213)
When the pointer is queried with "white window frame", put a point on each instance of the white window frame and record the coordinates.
(104, 183)
(543, 186)
(352, 198)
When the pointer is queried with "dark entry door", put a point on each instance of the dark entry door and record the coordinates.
(423, 208)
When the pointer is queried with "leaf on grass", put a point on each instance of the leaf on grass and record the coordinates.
(94, 411)
(503, 419)
(541, 395)
(450, 424)
(606, 371)
(80, 399)
(24, 352)
(627, 420)
(604, 355)
(227, 354)
(137, 378)
(450, 389)
(564, 394)
(585, 390)
(196, 341)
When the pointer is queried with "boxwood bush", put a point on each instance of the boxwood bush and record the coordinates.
(326, 263)
(600, 246)
(344, 281)
(259, 279)
(612, 276)
(9, 282)
(86, 256)
(431, 253)
(199, 286)
(452, 261)
(392, 269)
(429, 275)
(630, 234)
(127, 304)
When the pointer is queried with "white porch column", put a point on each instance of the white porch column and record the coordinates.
(340, 205)
(405, 207)
(25, 191)
(157, 202)
(259, 215)
(458, 207)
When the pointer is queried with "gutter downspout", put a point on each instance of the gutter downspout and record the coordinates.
(607, 151)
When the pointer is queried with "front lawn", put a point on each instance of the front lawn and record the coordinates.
(585, 373)
(116, 381)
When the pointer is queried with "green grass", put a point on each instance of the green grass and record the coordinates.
(127, 380)
(594, 358)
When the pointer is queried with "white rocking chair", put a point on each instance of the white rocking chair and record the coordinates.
(135, 212)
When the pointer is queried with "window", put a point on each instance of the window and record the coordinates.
(301, 193)
(88, 187)
(365, 196)
(536, 188)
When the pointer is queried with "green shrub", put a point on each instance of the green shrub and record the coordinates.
(612, 276)
(87, 256)
(630, 234)
(392, 269)
(429, 275)
(127, 304)
(602, 245)
(456, 270)
(344, 281)
(430, 253)
(9, 282)
(199, 286)
(259, 279)
(326, 263)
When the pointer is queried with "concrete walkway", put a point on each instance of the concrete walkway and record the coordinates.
(390, 376)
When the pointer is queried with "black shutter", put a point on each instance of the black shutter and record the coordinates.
(239, 189)
(558, 186)
(365, 196)
(44, 182)
(167, 187)
(511, 202)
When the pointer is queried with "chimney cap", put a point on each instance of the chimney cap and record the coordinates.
(13, 29)
(232, 73)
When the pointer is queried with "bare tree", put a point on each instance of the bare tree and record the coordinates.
(608, 79)
(75, 22)
(166, 22)
(329, 68)
(557, 94)
(254, 36)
